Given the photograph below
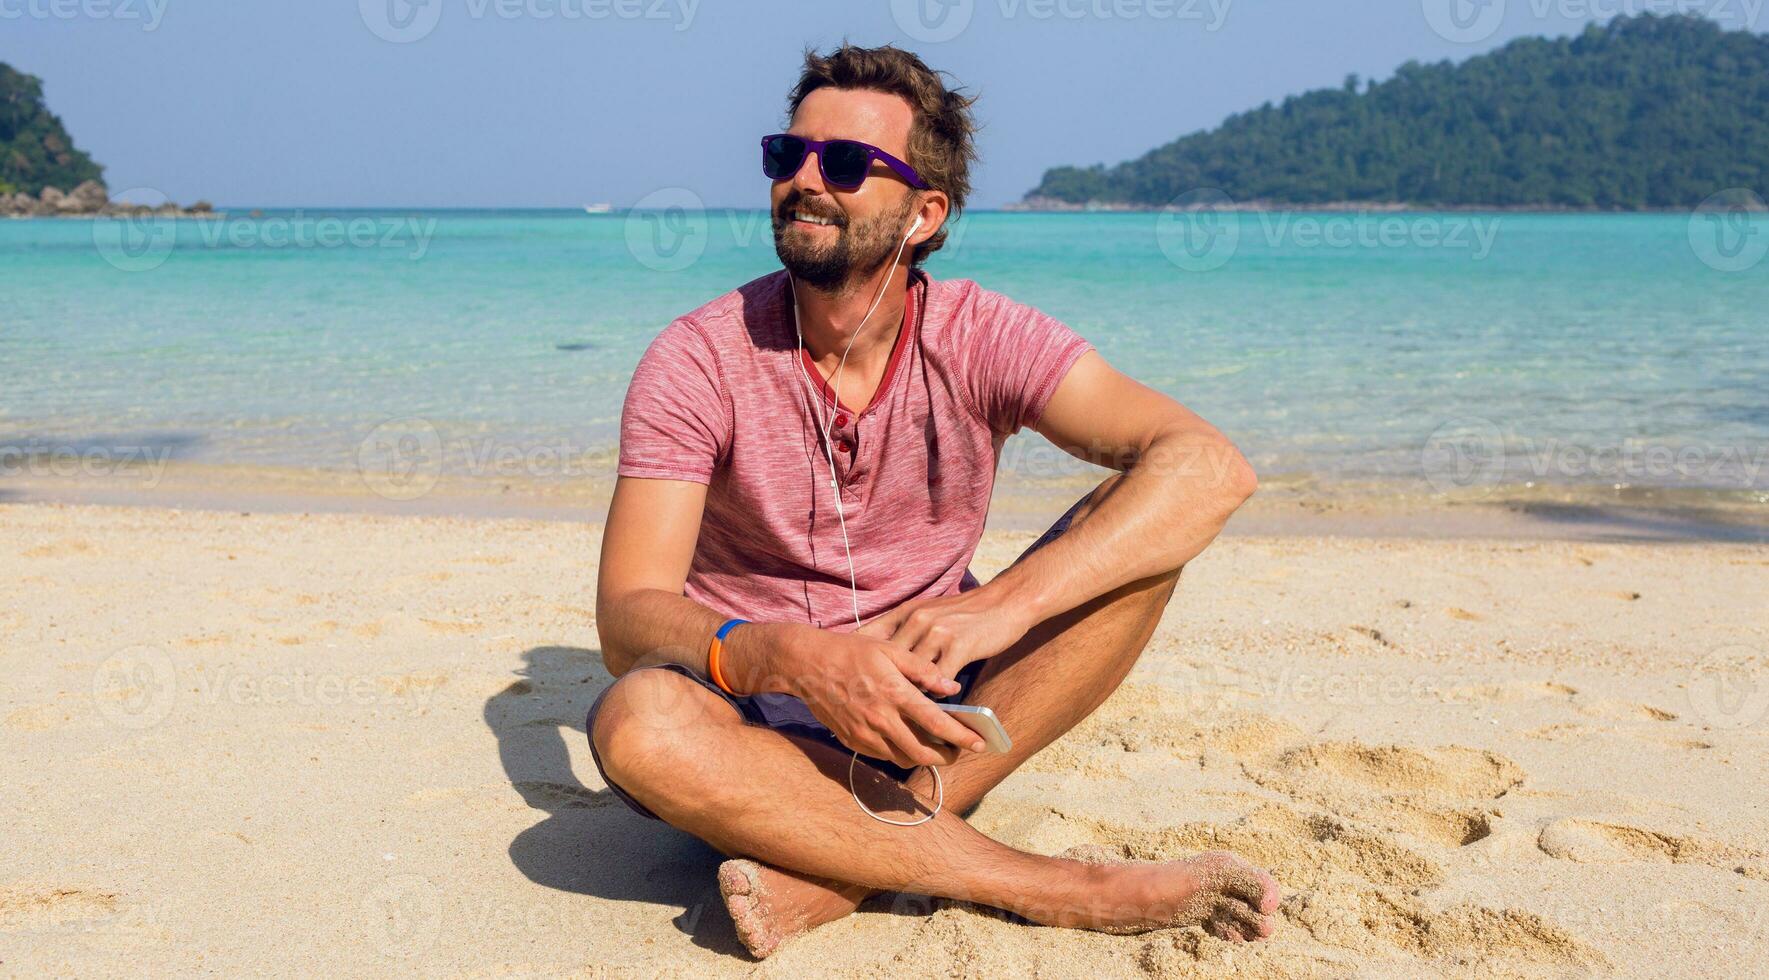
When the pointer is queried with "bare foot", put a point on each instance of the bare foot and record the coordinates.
(770, 906)
(1230, 898)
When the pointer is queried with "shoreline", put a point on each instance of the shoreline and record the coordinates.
(1286, 504)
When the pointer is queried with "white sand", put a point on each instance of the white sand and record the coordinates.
(352, 745)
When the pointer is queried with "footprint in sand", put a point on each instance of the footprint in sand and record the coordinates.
(1625, 710)
(1595, 842)
(1440, 796)
(1373, 921)
(1302, 849)
(1448, 772)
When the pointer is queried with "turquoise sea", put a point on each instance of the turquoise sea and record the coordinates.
(1436, 350)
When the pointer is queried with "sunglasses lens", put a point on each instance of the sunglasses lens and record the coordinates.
(782, 156)
(845, 163)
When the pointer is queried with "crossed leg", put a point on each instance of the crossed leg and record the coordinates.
(808, 855)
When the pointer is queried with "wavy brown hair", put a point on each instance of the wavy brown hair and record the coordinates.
(940, 137)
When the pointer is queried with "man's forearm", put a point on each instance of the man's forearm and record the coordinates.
(651, 626)
(1169, 505)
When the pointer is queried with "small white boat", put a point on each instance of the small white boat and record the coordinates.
(601, 207)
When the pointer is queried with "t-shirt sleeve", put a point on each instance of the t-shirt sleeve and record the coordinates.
(1015, 357)
(674, 424)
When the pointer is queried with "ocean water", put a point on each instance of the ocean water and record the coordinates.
(1433, 350)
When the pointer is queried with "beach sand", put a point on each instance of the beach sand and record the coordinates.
(351, 744)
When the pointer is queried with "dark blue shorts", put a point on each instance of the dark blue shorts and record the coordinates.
(789, 715)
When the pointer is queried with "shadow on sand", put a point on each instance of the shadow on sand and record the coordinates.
(589, 842)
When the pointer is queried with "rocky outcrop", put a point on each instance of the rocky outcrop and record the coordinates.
(89, 200)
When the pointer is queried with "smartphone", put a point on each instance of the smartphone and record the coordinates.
(982, 721)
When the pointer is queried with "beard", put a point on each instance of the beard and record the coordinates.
(860, 248)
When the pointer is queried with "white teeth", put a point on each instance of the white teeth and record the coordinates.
(813, 219)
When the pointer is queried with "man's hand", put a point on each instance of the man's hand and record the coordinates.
(869, 693)
(953, 631)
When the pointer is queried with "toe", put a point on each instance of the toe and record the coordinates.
(1251, 924)
(1273, 894)
(1225, 930)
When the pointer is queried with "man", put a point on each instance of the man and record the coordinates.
(770, 498)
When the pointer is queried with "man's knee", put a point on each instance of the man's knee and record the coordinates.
(651, 721)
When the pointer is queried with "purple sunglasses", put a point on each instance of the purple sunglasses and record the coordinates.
(844, 163)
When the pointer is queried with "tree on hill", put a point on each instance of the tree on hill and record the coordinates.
(1643, 112)
(35, 151)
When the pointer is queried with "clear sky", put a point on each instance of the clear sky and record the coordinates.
(518, 103)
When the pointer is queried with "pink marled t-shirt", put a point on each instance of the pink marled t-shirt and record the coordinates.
(719, 398)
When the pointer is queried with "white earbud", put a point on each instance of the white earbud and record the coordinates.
(913, 228)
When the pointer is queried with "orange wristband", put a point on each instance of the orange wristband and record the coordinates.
(717, 648)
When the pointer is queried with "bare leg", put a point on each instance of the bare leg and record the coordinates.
(1041, 688)
(680, 764)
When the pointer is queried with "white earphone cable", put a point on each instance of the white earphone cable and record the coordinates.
(835, 490)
